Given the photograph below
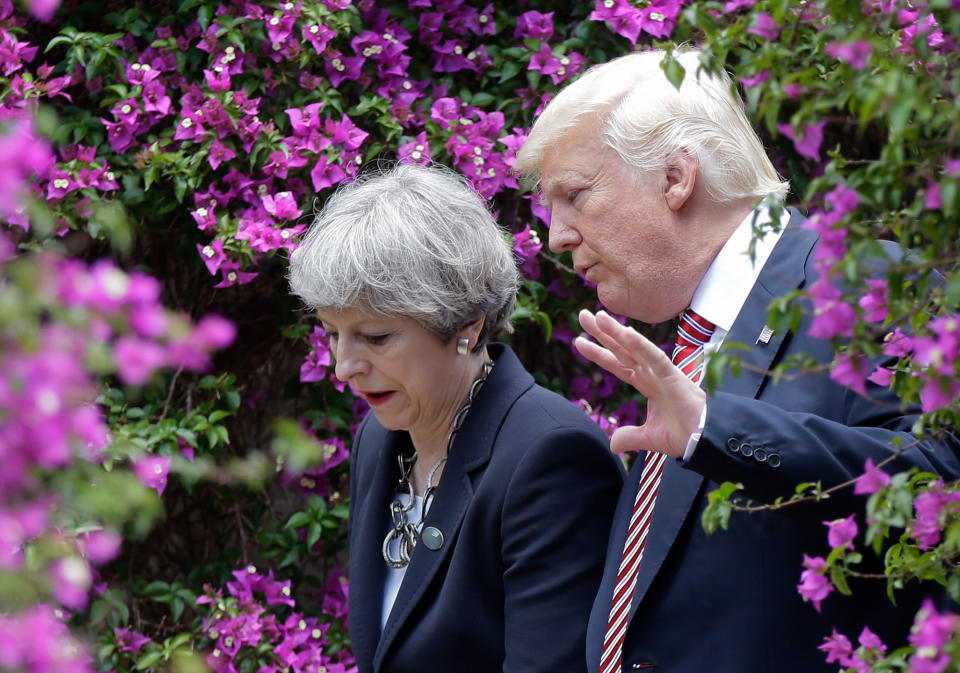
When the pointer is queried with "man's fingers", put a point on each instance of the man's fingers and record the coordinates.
(638, 347)
(629, 438)
(602, 357)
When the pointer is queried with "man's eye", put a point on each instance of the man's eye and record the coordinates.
(572, 195)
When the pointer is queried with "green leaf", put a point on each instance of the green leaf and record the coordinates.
(149, 659)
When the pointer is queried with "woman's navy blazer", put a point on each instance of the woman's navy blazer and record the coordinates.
(524, 506)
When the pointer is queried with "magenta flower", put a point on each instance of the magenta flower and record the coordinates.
(345, 133)
(212, 255)
(838, 648)
(897, 344)
(416, 151)
(318, 360)
(624, 17)
(281, 205)
(42, 10)
(318, 35)
(535, 25)
(881, 376)
(807, 141)
(764, 26)
(219, 153)
(841, 532)
(218, 78)
(70, 582)
(856, 54)
(232, 275)
(155, 98)
(213, 332)
(326, 174)
(152, 471)
(938, 392)
(759, 78)
(850, 371)
(874, 303)
(831, 315)
(842, 199)
(100, 546)
(814, 586)
(335, 594)
(137, 359)
(930, 634)
(129, 640)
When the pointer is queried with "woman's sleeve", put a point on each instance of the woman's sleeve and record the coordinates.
(555, 523)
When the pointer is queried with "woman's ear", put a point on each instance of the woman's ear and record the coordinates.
(471, 332)
(681, 179)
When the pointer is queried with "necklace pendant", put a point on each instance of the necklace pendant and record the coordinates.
(432, 538)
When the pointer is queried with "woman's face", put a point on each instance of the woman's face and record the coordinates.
(411, 379)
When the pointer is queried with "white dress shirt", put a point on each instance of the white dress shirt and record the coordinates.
(727, 283)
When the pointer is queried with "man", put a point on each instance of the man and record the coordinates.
(655, 193)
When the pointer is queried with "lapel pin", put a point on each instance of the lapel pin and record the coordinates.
(432, 538)
(765, 335)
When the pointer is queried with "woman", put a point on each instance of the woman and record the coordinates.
(480, 502)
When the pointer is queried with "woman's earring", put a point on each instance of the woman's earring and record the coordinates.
(463, 345)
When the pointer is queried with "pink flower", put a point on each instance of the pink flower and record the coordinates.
(101, 545)
(838, 648)
(897, 344)
(137, 359)
(856, 54)
(70, 580)
(881, 376)
(765, 27)
(213, 332)
(759, 78)
(152, 471)
(281, 205)
(850, 371)
(42, 10)
(129, 640)
(930, 634)
(326, 174)
(808, 140)
(212, 255)
(535, 25)
(841, 532)
(874, 303)
(814, 586)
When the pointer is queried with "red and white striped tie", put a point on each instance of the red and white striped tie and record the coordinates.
(693, 332)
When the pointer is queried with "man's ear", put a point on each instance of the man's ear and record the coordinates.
(682, 172)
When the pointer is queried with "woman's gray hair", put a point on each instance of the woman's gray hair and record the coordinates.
(409, 241)
(646, 121)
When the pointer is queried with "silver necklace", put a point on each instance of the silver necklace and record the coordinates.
(406, 533)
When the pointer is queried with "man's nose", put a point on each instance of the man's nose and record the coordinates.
(562, 236)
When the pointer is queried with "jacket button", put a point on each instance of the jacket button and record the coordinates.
(746, 450)
(773, 460)
(759, 454)
(733, 445)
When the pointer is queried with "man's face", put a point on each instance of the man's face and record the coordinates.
(622, 234)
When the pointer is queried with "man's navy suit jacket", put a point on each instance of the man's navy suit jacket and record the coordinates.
(524, 506)
(728, 603)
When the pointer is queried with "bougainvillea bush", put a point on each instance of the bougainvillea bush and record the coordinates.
(173, 439)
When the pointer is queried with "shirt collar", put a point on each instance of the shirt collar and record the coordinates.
(732, 274)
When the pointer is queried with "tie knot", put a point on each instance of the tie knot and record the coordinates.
(694, 329)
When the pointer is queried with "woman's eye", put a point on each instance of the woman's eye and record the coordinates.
(377, 339)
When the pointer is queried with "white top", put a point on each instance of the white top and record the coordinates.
(727, 283)
(395, 575)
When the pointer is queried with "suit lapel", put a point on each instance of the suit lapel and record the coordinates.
(680, 488)
(371, 525)
(471, 451)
